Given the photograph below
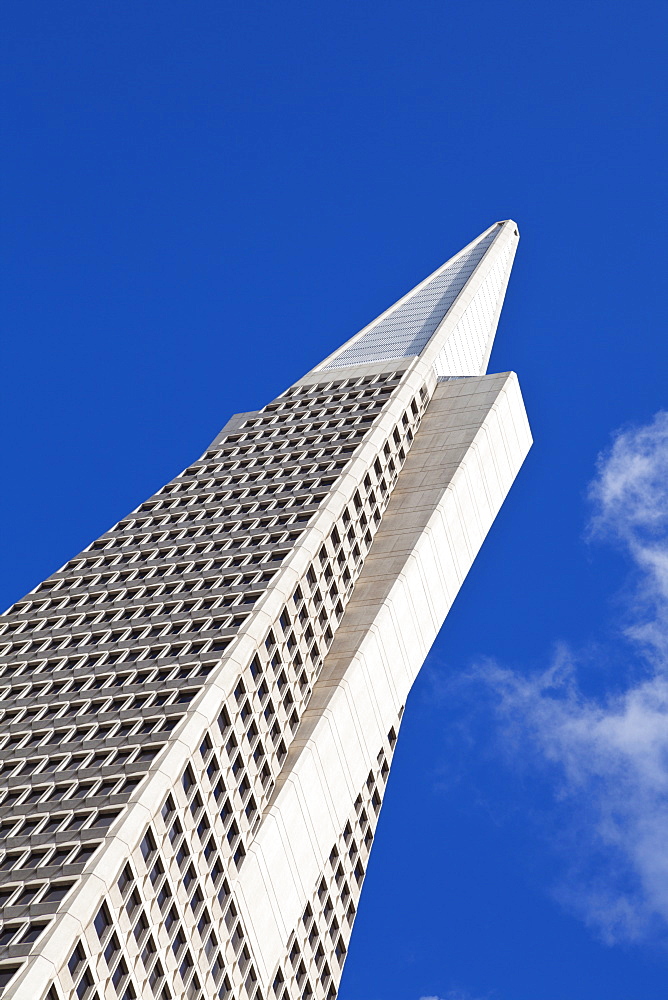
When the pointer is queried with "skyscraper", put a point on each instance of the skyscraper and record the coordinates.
(199, 711)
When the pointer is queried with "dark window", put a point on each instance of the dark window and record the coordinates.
(102, 921)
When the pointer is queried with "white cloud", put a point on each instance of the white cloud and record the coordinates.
(610, 753)
(630, 494)
(454, 995)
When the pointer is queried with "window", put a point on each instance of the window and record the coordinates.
(76, 958)
(56, 893)
(8, 933)
(7, 973)
(102, 921)
(111, 950)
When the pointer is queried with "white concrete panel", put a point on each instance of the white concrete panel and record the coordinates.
(424, 548)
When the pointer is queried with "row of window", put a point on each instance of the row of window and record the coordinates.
(47, 895)
(137, 585)
(32, 796)
(57, 857)
(142, 677)
(212, 495)
(29, 742)
(52, 824)
(99, 706)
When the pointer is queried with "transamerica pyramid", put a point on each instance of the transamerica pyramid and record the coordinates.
(199, 711)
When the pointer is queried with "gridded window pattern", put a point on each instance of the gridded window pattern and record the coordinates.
(317, 947)
(99, 664)
(227, 787)
(406, 329)
(243, 754)
(170, 929)
(195, 558)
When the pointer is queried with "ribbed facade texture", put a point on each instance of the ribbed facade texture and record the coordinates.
(199, 711)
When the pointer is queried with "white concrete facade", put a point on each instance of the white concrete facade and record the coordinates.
(471, 443)
(201, 709)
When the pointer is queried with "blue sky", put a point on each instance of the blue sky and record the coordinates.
(202, 200)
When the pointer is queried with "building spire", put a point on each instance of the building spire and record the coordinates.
(455, 309)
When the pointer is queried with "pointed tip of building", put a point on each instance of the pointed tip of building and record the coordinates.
(408, 326)
(488, 237)
(510, 224)
(502, 224)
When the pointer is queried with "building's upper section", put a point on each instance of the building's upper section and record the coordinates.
(455, 310)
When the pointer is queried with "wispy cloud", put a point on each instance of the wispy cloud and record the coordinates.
(630, 496)
(456, 995)
(610, 753)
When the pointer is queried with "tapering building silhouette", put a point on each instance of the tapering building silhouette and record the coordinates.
(199, 711)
